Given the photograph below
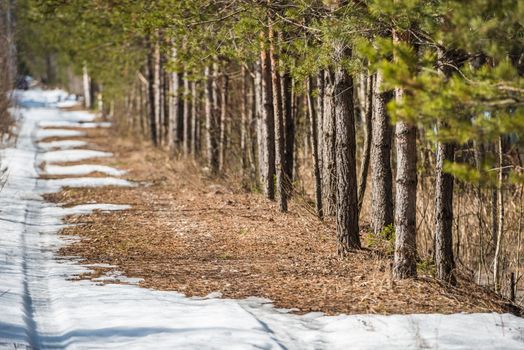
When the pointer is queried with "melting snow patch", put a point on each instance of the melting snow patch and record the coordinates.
(62, 144)
(72, 155)
(56, 185)
(46, 133)
(119, 277)
(73, 124)
(68, 104)
(82, 209)
(82, 169)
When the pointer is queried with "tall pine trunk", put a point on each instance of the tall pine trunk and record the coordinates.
(223, 118)
(313, 123)
(347, 200)
(268, 126)
(279, 124)
(444, 215)
(261, 154)
(381, 174)
(405, 264)
(187, 115)
(329, 169)
(500, 218)
(151, 93)
(244, 123)
(320, 78)
(211, 122)
(156, 91)
(366, 150)
(289, 128)
(86, 80)
(444, 261)
(195, 125)
(176, 106)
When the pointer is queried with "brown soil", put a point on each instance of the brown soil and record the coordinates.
(189, 233)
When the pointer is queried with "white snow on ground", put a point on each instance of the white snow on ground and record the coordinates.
(41, 306)
(68, 104)
(73, 124)
(46, 133)
(82, 169)
(62, 144)
(55, 185)
(72, 155)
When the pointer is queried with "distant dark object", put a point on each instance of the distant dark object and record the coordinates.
(23, 82)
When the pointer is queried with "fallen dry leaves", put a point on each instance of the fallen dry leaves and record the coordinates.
(197, 235)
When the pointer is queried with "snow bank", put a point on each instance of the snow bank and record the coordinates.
(56, 184)
(82, 169)
(38, 98)
(62, 144)
(46, 133)
(72, 155)
(73, 124)
(40, 306)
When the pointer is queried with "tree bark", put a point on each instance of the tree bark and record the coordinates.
(195, 136)
(211, 123)
(244, 124)
(405, 264)
(500, 219)
(444, 215)
(329, 169)
(151, 104)
(223, 118)
(187, 116)
(161, 101)
(279, 124)
(444, 261)
(381, 175)
(289, 127)
(268, 138)
(176, 107)
(156, 91)
(313, 123)
(320, 118)
(87, 87)
(259, 123)
(166, 107)
(364, 161)
(347, 200)
(405, 203)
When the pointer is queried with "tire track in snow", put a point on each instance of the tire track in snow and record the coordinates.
(30, 219)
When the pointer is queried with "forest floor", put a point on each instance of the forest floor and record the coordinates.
(197, 235)
(178, 231)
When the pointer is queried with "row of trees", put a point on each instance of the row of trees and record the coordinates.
(400, 88)
(7, 60)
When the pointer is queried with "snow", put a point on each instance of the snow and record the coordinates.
(68, 104)
(39, 98)
(42, 304)
(72, 155)
(82, 169)
(62, 144)
(73, 124)
(46, 133)
(56, 184)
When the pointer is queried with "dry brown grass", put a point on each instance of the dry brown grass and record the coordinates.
(197, 235)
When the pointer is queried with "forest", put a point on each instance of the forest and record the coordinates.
(395, 125)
